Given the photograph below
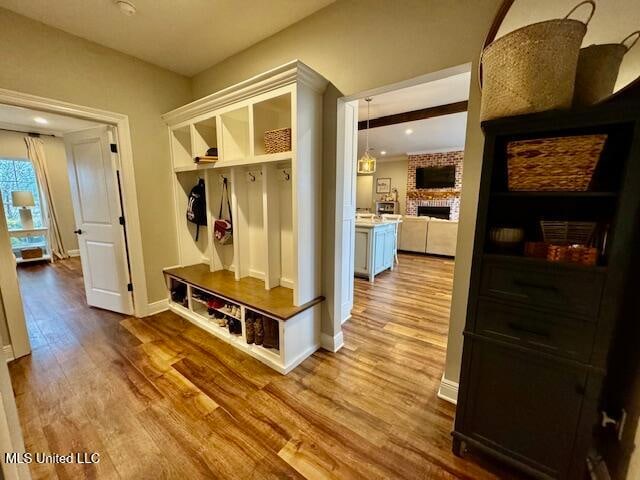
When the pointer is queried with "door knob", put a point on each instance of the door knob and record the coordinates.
(79, 232)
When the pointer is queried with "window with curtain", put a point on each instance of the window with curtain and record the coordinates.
(18, 174)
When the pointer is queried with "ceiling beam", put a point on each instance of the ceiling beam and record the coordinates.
(415, 115)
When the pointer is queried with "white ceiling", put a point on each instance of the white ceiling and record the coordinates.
(612, 21)
(185, 36)
(439, 92)
(22, 119)
(443, 133)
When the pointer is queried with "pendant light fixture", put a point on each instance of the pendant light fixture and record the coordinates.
(367, 163)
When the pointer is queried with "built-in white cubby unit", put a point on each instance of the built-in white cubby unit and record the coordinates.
(275, 202)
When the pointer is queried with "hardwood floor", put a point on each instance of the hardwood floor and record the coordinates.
(159, 398)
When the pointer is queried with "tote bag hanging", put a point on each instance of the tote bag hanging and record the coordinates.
(222, 228)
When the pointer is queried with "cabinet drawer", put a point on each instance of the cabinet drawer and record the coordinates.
(570, 290)
(567, 337)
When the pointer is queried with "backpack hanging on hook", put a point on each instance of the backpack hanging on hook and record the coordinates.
(197, 206)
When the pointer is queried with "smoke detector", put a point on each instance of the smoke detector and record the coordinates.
(126, 8)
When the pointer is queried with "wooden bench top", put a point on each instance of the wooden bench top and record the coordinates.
(277, 302)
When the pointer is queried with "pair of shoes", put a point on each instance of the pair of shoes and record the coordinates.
(235, 327)
(259, 330)
(271, 333)
(250, 327)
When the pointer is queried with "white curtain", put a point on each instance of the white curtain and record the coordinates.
(35, 152)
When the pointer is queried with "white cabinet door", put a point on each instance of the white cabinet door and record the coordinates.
(97, 210)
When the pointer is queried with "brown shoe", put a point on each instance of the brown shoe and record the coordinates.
(250, 326)
(259, 328)
(271, 334)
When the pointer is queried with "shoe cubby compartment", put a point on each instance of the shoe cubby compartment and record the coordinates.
(268, 115)
(178, 292)
(263, 332)
(204, 136)
(235, 135)
(219, 312)
(191, 250)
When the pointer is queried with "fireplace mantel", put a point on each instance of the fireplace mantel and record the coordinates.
(432, 194)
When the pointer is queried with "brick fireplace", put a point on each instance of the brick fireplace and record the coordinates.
(434, 197)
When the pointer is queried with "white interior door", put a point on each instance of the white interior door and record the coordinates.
(345, 207)
(97, 208)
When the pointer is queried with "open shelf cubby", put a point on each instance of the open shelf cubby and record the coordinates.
(235, 134)
(204, 136)
(271, 114)
(181, 147)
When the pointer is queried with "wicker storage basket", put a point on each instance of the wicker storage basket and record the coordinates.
(31, 253)
(532, 69)
(277, 140)
(567, 233)
(554, 164)
(598, 67)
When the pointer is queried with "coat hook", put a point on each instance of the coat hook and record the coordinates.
(252, 177)
(286, 174)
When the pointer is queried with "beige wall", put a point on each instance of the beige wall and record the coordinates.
(12, 145)
(363, 44)
(396, 170)
(43, 61)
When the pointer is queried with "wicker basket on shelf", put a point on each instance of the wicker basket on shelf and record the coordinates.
(276, 141)
(567, 233)
(554, 164)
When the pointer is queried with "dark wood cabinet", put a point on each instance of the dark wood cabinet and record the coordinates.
(538, 333)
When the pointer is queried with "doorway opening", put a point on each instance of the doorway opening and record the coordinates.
(66, 182)
(396, 231)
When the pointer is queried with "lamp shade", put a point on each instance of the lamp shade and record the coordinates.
(22, 198)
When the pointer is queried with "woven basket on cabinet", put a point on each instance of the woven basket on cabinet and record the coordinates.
(533, 68)
(277, 140)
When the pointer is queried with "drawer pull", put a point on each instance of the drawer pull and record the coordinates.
(522, 283)
(532, 331)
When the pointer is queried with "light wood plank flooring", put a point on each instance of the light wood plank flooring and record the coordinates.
(159, 398)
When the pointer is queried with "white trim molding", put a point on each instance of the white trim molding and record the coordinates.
(157, 307)
(333, 344)
(8, 352)
(73, 253)
(448, 391)
(129, 196)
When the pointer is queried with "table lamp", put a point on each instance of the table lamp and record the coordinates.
(24, 199)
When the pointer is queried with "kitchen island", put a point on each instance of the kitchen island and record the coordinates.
(375, 247)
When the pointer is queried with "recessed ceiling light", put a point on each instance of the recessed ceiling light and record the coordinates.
(408, 131)
(383, 152)
(126, 8)
(40, 120)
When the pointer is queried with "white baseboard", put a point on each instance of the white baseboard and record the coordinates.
(157, 307)
(333, 344)
(73, 253)
(348, 317)
(8, 352)
(448, 391)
